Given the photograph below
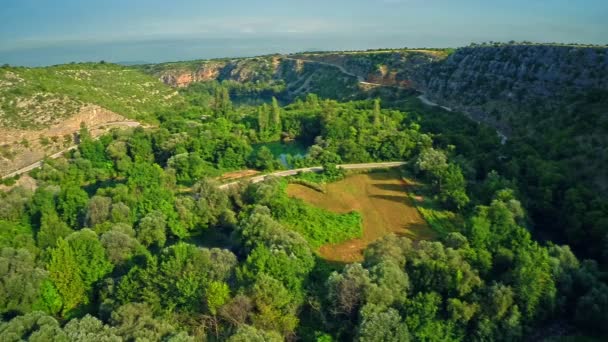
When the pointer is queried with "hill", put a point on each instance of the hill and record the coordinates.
(335, 75)
(41, 108)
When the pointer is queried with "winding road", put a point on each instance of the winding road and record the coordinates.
(60, 153)
(344, 71)
(422, 97)
(286, 173)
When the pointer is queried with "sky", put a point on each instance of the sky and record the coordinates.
(45, 32)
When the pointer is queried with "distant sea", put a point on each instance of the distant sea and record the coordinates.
(165, 50)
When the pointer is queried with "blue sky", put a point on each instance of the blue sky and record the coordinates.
(38, 32)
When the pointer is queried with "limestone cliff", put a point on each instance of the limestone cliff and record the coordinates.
(296, 77)
(500, 84)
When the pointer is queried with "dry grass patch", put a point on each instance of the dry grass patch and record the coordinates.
(382, 201)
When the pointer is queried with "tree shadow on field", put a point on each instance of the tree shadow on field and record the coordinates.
(417, 231)
(399, 199)
(391, 187)
(382, 174)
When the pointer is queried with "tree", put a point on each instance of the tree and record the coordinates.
(71, 203)
(120, 247)
(534, 286)
(18, 236)
(13, 204)
(264, 159)
(274, 306)
(89, 255)
(98, 210)
(34, 327)
(222, 103)
(389, 284)
(422, 321)
(453, 187)
(263, 122)
(592, 309)
(65, 273)
(247, 333)
(275, 251)
(20, 281)
(49, 299)
(152, 230)
(433, 163)
(51, 230)
(275, 117)
(88, 329)
(432, 266)
(376, 112)
(134, 321)
(347, 291)
(379, 324)
(237, 310)
(216, 295)
(211, 202)
(120, 213)
(500, 300)
(83, 133)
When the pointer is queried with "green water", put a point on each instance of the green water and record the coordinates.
(280, 149)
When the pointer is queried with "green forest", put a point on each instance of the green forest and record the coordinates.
(129, 238)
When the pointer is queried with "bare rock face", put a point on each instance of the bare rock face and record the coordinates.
(182, 78)
(240, 70)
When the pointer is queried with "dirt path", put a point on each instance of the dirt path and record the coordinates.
(426, 101)
(362, 166)
(344, 71)
(423, 98)
(360, 79)
(60, 153)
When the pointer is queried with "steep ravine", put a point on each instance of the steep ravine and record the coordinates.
(506, 86)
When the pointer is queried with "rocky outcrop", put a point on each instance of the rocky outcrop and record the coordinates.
(295, 76)
(260, 69)
(183, 77)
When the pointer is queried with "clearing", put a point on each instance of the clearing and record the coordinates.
(381, 198)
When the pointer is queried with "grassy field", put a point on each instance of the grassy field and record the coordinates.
(380, 198)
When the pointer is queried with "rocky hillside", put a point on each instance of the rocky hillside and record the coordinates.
(182, 74)
(385, 67)
(507, 83)
(554, 97)
(37, 98)
(291, 77)
(510, 86)
(42, 108)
